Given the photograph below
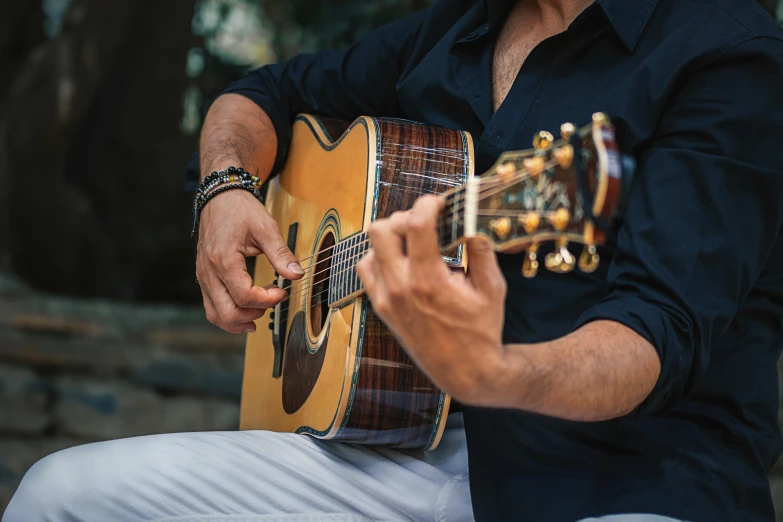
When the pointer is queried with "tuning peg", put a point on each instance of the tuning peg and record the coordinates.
(529, 221)
(589, 259)
(501, 227)
(601, 117)
(505, 170)
(567, 130)
(534, 165)
(564, 156)
(530, 263)
(560, 218)
(543, 140)
(560, 261)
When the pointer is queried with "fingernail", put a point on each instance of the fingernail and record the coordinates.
(250, 329)
(295, 268)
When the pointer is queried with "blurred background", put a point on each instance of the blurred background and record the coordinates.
(101, 330)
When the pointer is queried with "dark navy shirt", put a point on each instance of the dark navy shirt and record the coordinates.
(696, 87)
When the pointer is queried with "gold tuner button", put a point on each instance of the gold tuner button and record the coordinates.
(505, 171)
(589, 259)
(530, 263)
(560, 261)
(501, 227)
(543, 140)
(567, 130)
(529, 221)
(534, 165)
(565, 156)
(600, 117)
(560, 218)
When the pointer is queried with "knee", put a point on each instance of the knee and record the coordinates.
(56, 488)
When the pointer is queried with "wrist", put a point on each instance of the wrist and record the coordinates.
(490, 386)
(503, 374)
(218, 182)
(208, 168)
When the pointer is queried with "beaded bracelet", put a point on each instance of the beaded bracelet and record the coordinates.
(210, 187)
(230, 175)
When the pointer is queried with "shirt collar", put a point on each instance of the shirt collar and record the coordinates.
(627, 17)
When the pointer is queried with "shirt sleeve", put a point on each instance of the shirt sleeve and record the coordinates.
(703, 213)
(357, 81)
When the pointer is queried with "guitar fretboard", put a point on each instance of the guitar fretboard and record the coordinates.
(343, 281)
(451, 223)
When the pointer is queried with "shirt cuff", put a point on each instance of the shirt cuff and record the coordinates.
(654, 325)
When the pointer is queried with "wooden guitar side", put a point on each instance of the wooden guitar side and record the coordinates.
(350, 381)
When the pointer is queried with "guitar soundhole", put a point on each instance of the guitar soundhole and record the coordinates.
(319, 297)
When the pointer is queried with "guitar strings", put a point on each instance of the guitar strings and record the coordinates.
(333, 246)
(483, 195)
(487, 192)
(348, 267)
(451, 191)
(309, 278)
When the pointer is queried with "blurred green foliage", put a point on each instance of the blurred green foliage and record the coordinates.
(238, 35)
(309, 25)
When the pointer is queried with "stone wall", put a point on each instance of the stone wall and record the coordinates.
(77, 371)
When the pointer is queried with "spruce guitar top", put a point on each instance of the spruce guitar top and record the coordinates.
(321, 362)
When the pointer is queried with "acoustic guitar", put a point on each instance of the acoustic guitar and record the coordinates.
(322, 363)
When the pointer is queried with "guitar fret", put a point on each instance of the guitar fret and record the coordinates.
(342, 270)
(346, 281)
(442, 230)
(354, 278)
(338, 261)
(359, 251)
(359, 246)
(351, 265)
(330, 294)
(454, 217)
(450, 223)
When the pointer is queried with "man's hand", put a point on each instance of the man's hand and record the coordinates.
(234, 226)
(450, 323)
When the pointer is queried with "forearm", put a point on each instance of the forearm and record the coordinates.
(237, 132)
(601, 371)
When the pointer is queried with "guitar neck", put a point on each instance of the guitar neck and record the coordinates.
(344, 283)
(456, 221)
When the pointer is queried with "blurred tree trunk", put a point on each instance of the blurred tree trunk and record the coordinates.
(21, 30)
(109, 84)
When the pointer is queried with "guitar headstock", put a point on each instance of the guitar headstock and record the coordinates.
(562, 190)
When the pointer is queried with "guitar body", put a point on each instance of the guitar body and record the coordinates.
(335, 371)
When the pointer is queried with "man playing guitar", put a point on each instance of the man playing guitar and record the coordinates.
(644, 392)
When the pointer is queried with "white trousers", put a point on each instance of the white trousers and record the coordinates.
(250, 477)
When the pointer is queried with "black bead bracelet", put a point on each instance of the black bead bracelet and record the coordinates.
(238, 178)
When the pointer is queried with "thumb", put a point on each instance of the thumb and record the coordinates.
(483, 270)
(271, 243)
